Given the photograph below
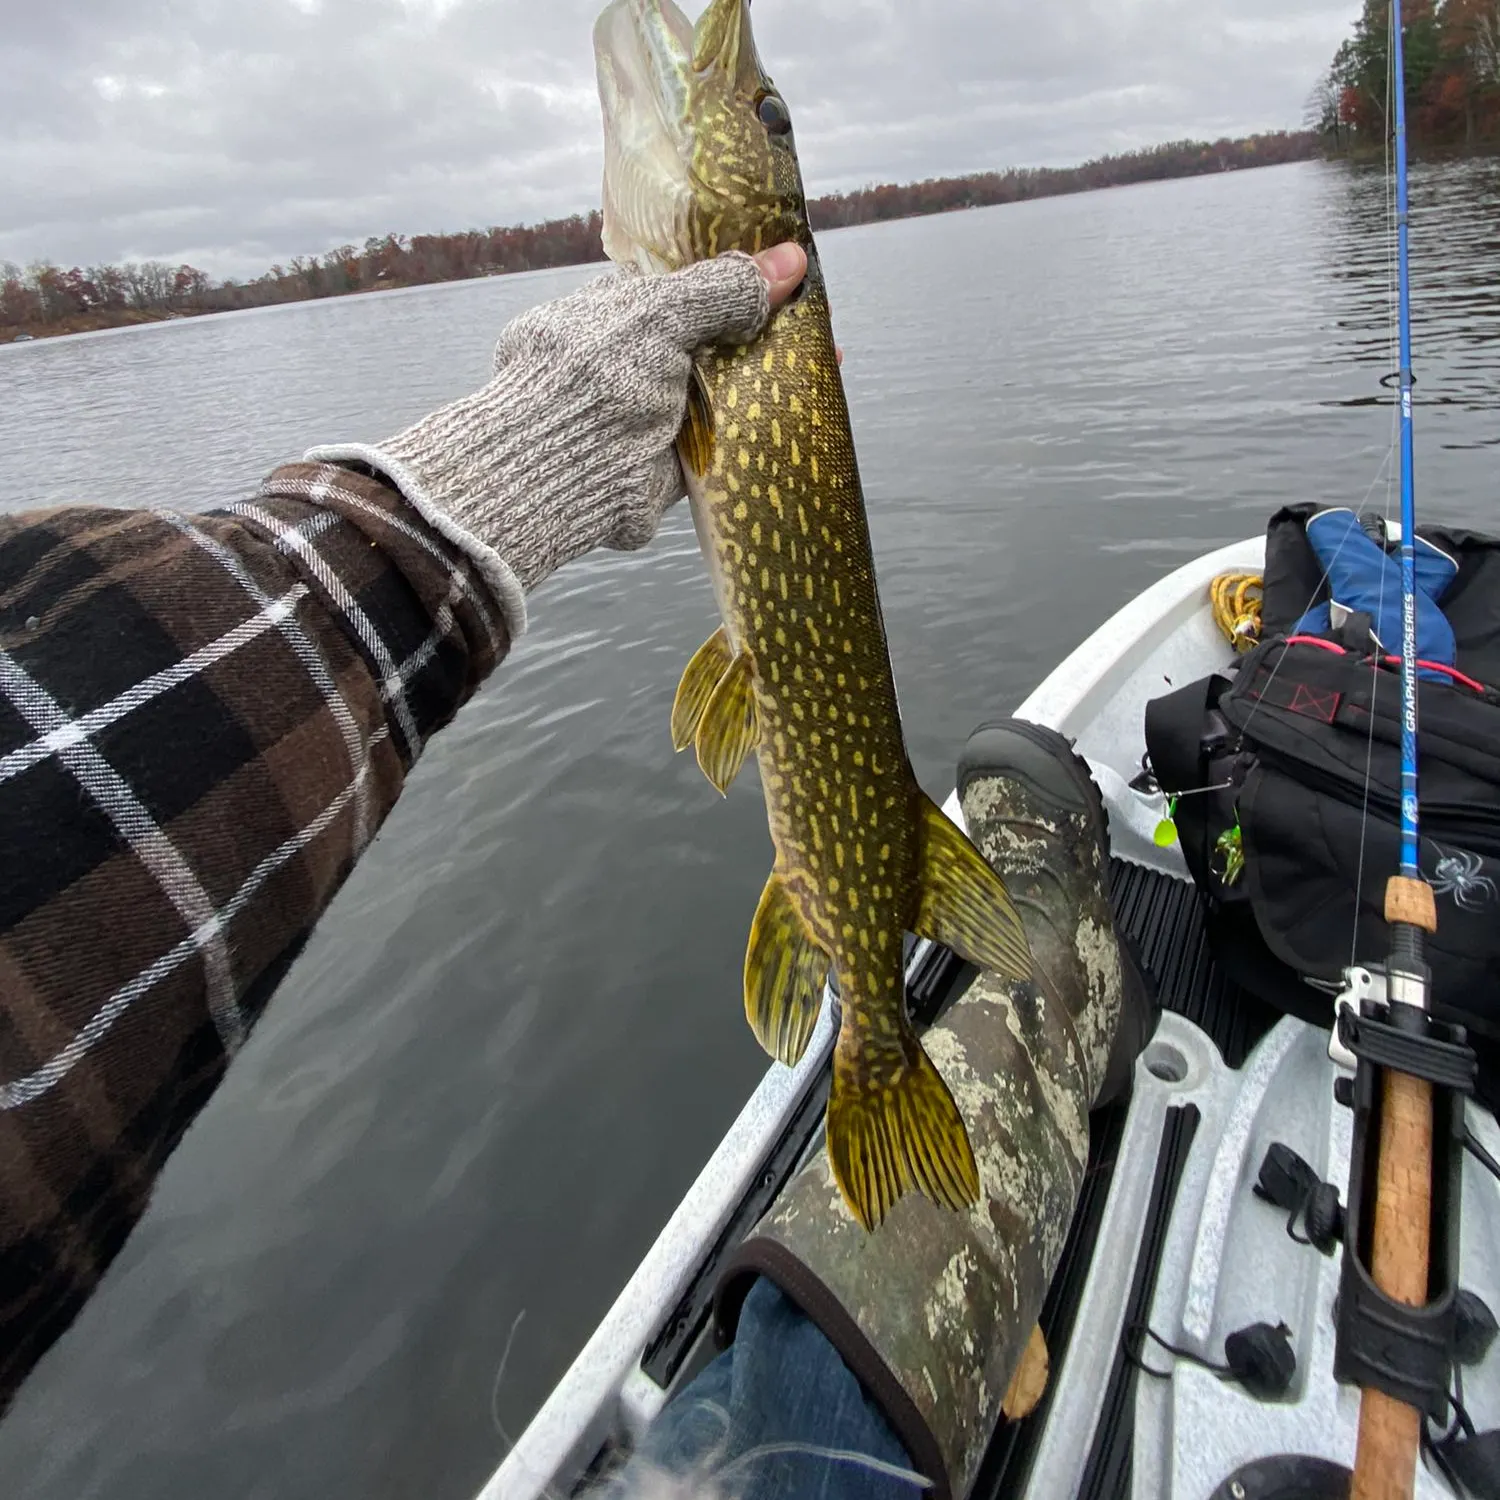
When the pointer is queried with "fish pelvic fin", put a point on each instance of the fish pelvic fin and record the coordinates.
(785, 973)
(893, 1127)
(965, 905)
(699, 679)
(729, 728)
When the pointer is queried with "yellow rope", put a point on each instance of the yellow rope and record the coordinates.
(1236, 601)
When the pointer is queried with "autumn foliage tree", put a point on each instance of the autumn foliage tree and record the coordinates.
(44, 297)
(1452, 56)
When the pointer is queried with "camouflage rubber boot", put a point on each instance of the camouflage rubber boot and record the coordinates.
(934, 1310)
(1034, 811)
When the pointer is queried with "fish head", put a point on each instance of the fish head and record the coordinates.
(698, 149)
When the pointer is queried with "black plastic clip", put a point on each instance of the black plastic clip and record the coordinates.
(1407, 1352)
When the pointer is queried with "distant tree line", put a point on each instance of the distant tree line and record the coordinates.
(1452, 57)
(42, 298)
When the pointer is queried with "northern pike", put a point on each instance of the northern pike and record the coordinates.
(699, 159)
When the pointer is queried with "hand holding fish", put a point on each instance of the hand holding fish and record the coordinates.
(570, 446)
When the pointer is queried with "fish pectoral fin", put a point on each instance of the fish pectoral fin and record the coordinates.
(699, 679)
(895, 1126)
(785, 973)
(695, 441)
(729, 728)
(965, 906)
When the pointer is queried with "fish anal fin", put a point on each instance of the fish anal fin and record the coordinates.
(729, 727)
(785, 974)
(699, 679)
(695, 441)
(965, 905)
(892, 1127)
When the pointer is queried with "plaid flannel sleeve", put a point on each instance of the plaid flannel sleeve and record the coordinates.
(203, 721)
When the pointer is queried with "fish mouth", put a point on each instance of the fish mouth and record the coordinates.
(643, 59)
(644, 55)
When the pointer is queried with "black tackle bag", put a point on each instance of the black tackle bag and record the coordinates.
(1299, 745)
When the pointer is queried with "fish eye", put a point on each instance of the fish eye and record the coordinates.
(773, 114)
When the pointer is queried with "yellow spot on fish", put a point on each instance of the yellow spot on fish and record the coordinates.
(776, 436)
(752, 412)
(859, 755)
(848, 931)
(731, 483)
(741, 510)
(796, 455)
(783, 586)
(807, 584)
(838, 854)
(883, 939)
(791, 360)
(744, 458)
(838, 594)
(755, 526)
(780, 636)
(732, 397)
(768, 363)
(864, 939)
(812, 458)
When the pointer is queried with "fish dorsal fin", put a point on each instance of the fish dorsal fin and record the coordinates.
(893, 1125)
(785, 972)
(695, 442)
(729, 728)
(699, 679)
(965, 906)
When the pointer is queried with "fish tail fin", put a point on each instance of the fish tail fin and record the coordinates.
(894, 1126)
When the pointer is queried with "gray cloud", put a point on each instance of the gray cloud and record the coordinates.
(233, 135)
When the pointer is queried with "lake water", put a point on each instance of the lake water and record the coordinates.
(518, 1032)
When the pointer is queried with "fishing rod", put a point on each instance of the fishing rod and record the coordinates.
(1400, 1248)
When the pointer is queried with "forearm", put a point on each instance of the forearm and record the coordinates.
(203, 721)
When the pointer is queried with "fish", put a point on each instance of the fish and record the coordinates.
(700, 159)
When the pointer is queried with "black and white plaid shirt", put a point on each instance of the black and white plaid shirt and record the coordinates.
(203, 721)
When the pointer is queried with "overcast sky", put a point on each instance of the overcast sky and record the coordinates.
(235, 133)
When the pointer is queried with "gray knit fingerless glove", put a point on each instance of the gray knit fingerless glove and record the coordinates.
(571, 445)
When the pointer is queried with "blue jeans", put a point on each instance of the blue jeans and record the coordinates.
(759, 1421)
